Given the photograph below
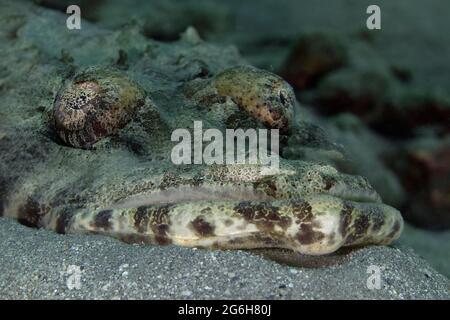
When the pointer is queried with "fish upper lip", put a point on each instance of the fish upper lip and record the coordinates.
(186, 193)
(238, 190)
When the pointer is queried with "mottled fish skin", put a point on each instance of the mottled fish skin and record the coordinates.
(95, 103)
(307, 206)
(264, 95)
(311, 225)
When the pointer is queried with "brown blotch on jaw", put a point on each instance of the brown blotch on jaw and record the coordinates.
(263, 214)
(141, 219)
(307, 235)
(361, 224)
(101, 220)
(153, 214)
(161, 234)
(304, 216)
(202, 227)
(63, 221)
(360, 227)
(30, 213)
(346, 219)
(377, 220)
(395, 230)
(155, 217)
(159, 214)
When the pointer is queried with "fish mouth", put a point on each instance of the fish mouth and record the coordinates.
(183, 194)
(251, 183)
(237, 192)
(242, 217)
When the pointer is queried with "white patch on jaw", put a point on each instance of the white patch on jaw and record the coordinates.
(328, 223)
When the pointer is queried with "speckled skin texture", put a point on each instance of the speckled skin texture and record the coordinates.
(126, 186)
(93, 104)
(262, 94)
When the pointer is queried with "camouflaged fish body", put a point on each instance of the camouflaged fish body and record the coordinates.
(90, 152)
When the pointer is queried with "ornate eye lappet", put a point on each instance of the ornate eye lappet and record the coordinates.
(262, 94)
(95, 103)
